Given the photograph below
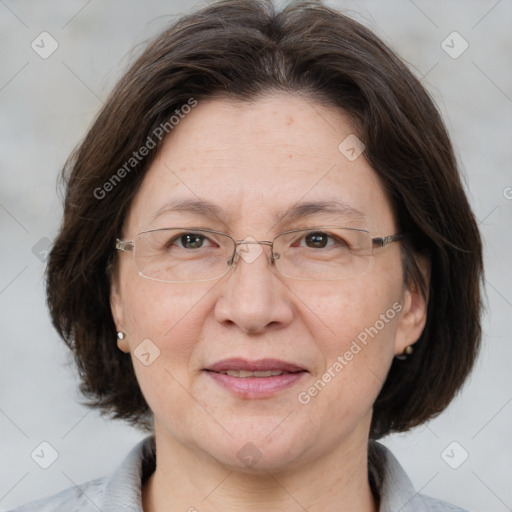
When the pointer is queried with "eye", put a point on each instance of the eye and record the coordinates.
(316, 239)
(320, 240)
(190, 241)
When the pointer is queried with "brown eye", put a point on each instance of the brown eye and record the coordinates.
(191, 240)
(317, 239)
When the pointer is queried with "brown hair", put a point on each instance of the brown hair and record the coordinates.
(242, 49)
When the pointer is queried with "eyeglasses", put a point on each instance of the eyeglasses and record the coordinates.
(176, 255)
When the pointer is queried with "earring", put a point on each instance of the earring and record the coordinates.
(121, 344)
(407, 352)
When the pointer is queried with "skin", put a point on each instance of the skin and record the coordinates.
(255, 160)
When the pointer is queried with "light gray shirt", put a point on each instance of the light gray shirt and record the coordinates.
(121, 492)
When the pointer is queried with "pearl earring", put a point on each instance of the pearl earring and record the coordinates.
(407, 352)
(120, 335)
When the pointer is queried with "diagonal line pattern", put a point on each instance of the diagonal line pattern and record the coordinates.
(76, 424)
(309, 190)
(13, 217)
(489, 214)
(314, 313)
(7, 7)
(78, 487)
(199, 403)
(5, 495)
(492, 81)
(498, 292)
(318, 113)
(424, 14)
(217, 486)
(13, 279)
(196, 304)
(17, 426)
(76, 14)
(14, 76)
(428, 72)
(80, 80)
(432, 431)
(286, 491)
(485, 15)
(376, 376)
(509, 508)
(501, 409)
(278, 425)
(417, 493)
(192, 192)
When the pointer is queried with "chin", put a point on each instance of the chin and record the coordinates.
(253, 452)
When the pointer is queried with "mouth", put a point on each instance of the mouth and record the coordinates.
(244, 374)
(255, 379)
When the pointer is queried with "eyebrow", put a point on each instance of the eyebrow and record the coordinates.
(194, 206)
(297, 211)
(333, 207)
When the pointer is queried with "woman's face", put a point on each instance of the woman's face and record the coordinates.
(253, 163)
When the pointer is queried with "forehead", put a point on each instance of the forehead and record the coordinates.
(252, 163)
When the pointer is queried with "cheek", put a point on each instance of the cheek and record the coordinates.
(166, 323)
(156, 310)
(350, 308)
(358, 341)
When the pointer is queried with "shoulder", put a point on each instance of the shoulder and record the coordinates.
(426, 503)
(395, 490)
(86, 498)
(120, 491)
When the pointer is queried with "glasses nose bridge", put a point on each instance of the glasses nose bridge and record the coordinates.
(258, 242)
(236, 254)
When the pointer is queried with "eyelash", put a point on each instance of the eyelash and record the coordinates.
(332, 240)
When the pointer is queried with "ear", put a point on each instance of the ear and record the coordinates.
(413, 316)
(116, 306)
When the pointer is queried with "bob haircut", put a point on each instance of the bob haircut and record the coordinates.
(241, 50)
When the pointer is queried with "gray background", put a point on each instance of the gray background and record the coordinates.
(46, 107)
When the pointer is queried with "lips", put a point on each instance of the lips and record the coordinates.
(259, 374)
(255, 379)
(237, 367)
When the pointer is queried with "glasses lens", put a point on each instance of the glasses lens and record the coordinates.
(180, 254)
(323, 253)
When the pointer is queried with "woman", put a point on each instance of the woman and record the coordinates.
(268, 216)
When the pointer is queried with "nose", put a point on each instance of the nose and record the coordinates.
(253, 297)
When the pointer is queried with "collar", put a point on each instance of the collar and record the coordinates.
(123, 490)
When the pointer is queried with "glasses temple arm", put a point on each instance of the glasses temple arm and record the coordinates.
(383, 241)
(124, 246)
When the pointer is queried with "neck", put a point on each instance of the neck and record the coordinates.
(185, 480)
